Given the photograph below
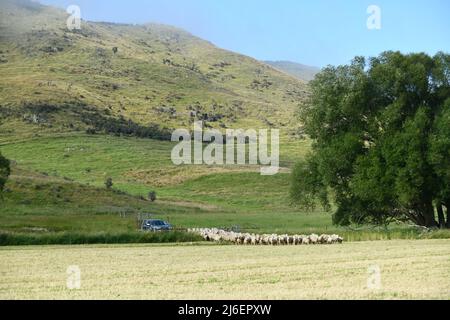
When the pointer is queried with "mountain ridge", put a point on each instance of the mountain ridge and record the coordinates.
(295, 69)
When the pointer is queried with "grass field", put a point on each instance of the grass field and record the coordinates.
(409, 270)
(57, 186)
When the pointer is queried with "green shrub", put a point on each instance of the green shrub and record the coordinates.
(77, 238)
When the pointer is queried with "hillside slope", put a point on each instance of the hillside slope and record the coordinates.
(55, 82)
(299, 71)
(57, 184)
(54, 79)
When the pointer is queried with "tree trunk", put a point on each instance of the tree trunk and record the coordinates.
(428, 215)
(419, 219)
(441, 217)
(447, 205)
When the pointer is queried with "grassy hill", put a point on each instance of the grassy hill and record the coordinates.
(56, 84)
(58, 87)
(297, 70)
(54, 80)
(58, 182)
(57, 187)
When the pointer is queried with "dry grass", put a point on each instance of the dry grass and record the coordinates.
(409, 270)
(175, 175)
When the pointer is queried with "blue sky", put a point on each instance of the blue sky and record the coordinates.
(314, 32)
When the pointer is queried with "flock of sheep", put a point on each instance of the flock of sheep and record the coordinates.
(218, 235)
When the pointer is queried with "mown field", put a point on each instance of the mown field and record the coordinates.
(409, 270)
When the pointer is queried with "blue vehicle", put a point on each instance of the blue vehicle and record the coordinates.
(155, 225)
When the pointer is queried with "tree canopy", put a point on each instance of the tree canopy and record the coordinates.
(381, 132)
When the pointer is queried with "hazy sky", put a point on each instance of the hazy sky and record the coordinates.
(314, 32)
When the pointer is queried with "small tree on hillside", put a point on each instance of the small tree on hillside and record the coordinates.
(109, 183)
(152, 196)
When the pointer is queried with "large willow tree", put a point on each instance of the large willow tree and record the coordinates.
(381, 132)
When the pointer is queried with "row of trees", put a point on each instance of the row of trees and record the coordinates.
(123, 127)
(381, 131)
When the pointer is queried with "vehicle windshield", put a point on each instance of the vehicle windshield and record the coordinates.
(157, 223)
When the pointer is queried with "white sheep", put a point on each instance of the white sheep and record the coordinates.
(218, 235)
(314, 238)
